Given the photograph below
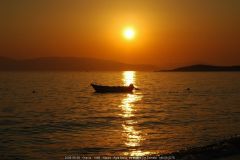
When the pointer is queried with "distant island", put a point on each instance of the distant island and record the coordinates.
(69, 64)
(204, 68)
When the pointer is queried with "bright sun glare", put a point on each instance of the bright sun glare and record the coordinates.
(129, 33)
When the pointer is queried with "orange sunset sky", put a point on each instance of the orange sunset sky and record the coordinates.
(166, 32)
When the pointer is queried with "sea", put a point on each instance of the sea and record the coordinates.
(56, 115)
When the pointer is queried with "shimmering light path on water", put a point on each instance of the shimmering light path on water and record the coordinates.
(133, 137)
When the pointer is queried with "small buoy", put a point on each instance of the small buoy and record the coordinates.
(33, 91)
(188, 89)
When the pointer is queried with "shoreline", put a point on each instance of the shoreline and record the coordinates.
(225, 148)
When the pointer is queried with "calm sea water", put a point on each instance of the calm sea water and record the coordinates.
(65, 117)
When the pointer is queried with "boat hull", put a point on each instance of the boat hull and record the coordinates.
(112, 89)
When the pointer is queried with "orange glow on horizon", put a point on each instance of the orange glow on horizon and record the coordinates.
(142, 32)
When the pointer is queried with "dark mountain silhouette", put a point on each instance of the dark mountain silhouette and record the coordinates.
(205, 68)
(68, 64)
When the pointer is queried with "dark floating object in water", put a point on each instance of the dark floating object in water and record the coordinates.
(113, 89)
(33, 91)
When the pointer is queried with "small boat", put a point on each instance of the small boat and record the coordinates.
(113, 89)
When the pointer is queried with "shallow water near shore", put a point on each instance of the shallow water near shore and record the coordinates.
(46, 115)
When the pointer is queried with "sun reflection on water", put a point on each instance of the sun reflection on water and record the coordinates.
(128, 77)
(128, 106)
(134, 137)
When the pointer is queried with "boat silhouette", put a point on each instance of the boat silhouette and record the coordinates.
(113, 89)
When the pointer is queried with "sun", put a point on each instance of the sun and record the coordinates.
(129, 33)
